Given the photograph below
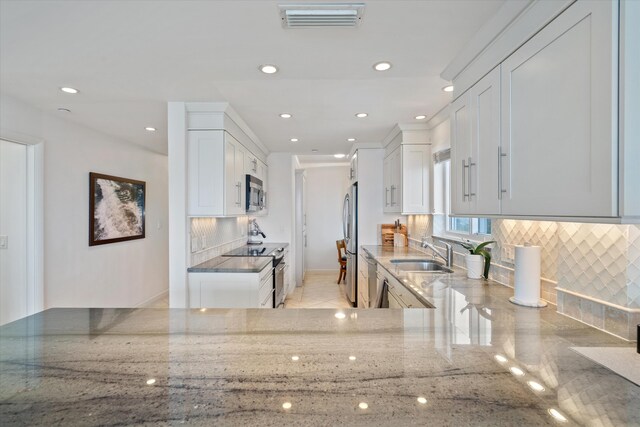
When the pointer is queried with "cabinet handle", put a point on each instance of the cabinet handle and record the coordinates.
(386, 196)
(500, 156)
(393, 187)
(465, 195)
(239, 186)
(469, 178)
(255, 165)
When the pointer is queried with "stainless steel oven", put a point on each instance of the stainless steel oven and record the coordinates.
(255, 194)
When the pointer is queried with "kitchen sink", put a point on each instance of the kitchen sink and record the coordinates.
(417, 265)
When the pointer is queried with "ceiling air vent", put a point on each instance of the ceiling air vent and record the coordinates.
(319, 15)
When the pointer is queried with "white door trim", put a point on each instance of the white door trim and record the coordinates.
(35, 217)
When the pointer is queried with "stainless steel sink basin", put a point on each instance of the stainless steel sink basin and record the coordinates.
(417, 265)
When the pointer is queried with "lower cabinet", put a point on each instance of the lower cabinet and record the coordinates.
(232, 290)
(399, 295)
(363, 283)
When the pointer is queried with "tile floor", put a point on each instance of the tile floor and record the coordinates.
(319, 291)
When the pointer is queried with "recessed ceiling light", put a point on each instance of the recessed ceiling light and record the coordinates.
(382, 66)
(448, 88)
(64, 110)
(285, 115)
(351, 139)
(420, 117)
(361, 115)
(268, 69)
(314, 150)
(294, 140)
(69, 90)
(150, 129)
(339, 155)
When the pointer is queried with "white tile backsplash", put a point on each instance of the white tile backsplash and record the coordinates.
(211, 237)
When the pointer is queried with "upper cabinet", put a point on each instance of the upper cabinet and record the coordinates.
(475, 145)
(392, 171)
(407, 173)
(216, 174)
(538, 135)
(559, 117)
(353, 168)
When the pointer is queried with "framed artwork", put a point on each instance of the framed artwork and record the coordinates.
(116, 209)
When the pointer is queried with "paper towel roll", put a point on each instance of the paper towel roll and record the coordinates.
(527, 277)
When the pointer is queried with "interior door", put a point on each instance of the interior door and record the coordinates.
(14, 295)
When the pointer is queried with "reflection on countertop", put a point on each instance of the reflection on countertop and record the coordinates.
(475, 359)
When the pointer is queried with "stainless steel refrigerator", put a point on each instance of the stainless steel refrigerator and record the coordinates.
(350, 231)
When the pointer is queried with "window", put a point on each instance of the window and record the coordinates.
(453, 225)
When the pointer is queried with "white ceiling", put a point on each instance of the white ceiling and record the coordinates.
(128, 58)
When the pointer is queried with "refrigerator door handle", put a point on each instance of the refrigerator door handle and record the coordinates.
(345, 219)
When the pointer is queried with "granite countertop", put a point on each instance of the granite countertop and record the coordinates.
(236, 264)
(426, 286)
(453, 365)
(224, 264)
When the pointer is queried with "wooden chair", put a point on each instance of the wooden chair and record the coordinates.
(342, 259)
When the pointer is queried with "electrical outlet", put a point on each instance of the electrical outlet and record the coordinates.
(4, 242)
(508, 253)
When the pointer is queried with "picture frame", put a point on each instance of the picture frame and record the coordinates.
(116, 209)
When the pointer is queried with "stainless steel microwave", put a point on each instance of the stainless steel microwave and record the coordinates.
(256, 197)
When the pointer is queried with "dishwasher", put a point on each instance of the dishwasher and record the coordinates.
(372, 284)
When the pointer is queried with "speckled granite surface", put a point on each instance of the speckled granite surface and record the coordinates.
(368, 367)
(224, 264)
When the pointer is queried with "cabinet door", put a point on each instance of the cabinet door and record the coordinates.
(416, 179)
(559, 117)
(395, 188)
(386, 177)
(460, 153)
(483, 188)
(241, 182)
(205, 165)
(233, 198)
(353, 168)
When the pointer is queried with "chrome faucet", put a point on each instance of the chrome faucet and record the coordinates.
(448, 257)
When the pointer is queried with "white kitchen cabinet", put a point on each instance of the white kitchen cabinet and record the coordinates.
(407, 179)
(363, 281)
(392, 171)
(215, 174)
(559, 117)
(232, 290)
(475, 144)
(353, 168)
(416, 179)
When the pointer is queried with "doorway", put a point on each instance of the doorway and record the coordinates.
(20, 231)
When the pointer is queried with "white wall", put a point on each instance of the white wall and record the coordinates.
(13, 225)
(122, 274)
(326, 187)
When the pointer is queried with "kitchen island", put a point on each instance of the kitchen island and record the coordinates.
(472, 360)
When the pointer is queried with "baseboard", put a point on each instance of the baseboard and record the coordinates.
(153, 299)
(332, 270)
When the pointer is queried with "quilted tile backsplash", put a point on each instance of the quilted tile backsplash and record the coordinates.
(211, 237)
